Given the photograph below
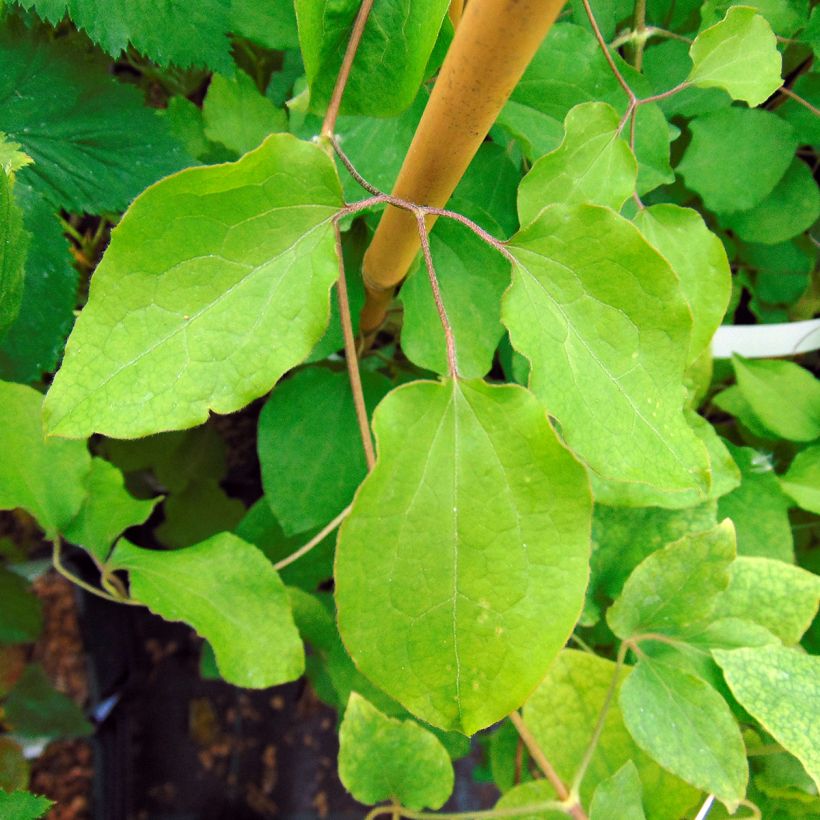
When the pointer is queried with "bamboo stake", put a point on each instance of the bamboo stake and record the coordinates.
(494, 42)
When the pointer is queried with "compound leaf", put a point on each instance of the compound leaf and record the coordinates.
(603, 321)
(215, 284)
(454, 596)
(46, 477)
(739, 54)
(231, 595)
(780, 687)
(592, 164)
(381, 758)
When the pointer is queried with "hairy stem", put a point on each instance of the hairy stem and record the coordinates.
(329, 124)
(315, 541)
(351, 355)
(493, 44)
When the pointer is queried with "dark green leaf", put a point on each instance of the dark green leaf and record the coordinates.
(21, 617)
(14, 242)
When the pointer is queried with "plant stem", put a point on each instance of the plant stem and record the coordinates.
(569, 804)
(57, 560)
(315, 541)
(493, 44)
(602, 43)
(640, 31)
(351, 355)
(575, 789)
(452, 363)
(329, 124)
(798, 99)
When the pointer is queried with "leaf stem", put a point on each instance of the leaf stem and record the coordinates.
(575, 789)
(602, 43)
(569, 804)
(329, 123)
(351, 355)
(798, 99)
(57, 560)
(317, 539)
(449, 338)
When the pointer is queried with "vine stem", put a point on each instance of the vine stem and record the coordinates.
(316, 540)
(798, 99)
(449, 338)
(351, 357)
(569, 804)
(575, 788)
(57, 561)
(329, 123)
(602, 43)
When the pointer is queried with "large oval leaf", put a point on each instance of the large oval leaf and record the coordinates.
(461, 570)
(216, 283)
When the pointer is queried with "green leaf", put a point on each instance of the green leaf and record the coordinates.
(198, 511)
(791, 208)
(35, 709)
(231, 595)
(786, 17)
(779, 687)
(804, 120)
(107, 510)
(698, 258)
(381, 758)
(687, 727)
(592, 164)
(531, 794)
(21, 617)
(34, 342)
(271, 24)
(163, 30)
(14, 241)
(675, 589)
(391, 59)
(739, 173)
(94, 144)
(237, 115)
(455, 597)
(802, 480)
(739, 54)
(11, 157)
(472, 277)
(535, 132)
(308, 428)
(781, 597)
(758, 508)
(562, 714)
(215, 284)
(46, 477)
(618, 796)
(784, 396)
(23, 805)
(601, 317)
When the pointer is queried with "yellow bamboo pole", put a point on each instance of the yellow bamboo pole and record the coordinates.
(494, 42)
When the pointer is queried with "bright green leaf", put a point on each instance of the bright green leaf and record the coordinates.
(592, 164)
(381, 758)
(33, 344)
(784, 396)
(585, 277)
(231, 595)
(472, 278)
(802, 480)
(738, 173)
(313, 413)
(791, 208)
(698, 258)
(23, 805)
(14, 242)
(107, 510)
(739, 54)
(675, 589)
(779, 596)
(46, 477)
(164, 30)
(94, 144)
(618, 796)
(687, 727)
(562, 714)
(786, 17)
(237, 115)
(531, 794)
(731, 400)
(21, 616)
(391, 59)
(758, 508)
(780, 687)
(215, 284)
(11, 157)
(455, 597)
(35, 709)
